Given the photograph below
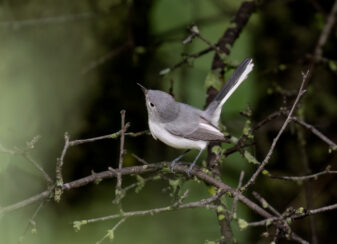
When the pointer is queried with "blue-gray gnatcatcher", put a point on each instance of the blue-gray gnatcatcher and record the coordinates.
(182, 126)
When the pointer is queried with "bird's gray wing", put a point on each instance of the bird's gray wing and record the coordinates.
(195, 127)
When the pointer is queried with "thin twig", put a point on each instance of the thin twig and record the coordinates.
(122, 151)
(240, 145)
(269, 118)
(265, 204)
(316, 132)
(118, 190)
(32, 219)
(235, 200)
(202, 21)
(110, 233)
(284, 226)
(109, 136)
(139, 159)
(325, 33)
(295, 215)
(196, 33)
(25, 154)
(204, 203)
(5, 150)
(134, 185)
(59, 165)
(68, 143)
(26, 202)
(39, 168)
(304, 177)
(320, 210)
(285, 124)
(185, 60)
(140, 133)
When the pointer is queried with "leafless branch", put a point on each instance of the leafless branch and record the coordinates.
(32, 219)
(110, 233)
(301, 91)
(36, 165)
(316, 132)
(109, 136)
(300, 213)
(204, 203)
(59, 165)
(197, 172)
(196, 33)
(25, 154)
(139, 159)
(68, 143)
(185, 60)
(269, 213)
(281, 227)
(26, 202)
(304, 177)
(317, 54)
(118, 190)
(235, 200)
(331, 19)
(265, 204)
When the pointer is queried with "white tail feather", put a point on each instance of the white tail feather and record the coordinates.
(216, 115)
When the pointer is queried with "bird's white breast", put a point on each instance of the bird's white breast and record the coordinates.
(159, 132)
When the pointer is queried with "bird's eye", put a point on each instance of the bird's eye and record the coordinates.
(152, 105)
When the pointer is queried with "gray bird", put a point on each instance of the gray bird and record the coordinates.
(182, 126)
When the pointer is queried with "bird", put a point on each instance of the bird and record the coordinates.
(182, 126)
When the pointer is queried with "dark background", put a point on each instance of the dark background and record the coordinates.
(73, 65)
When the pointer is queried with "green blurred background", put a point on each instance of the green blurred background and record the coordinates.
(73, 65)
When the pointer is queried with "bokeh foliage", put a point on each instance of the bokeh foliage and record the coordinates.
(48, 86)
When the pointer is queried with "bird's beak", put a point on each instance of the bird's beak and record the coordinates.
(143, 88)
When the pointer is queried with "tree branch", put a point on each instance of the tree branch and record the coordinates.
(204, 203)
(25, 154)
(325, 33)
(227, 40)
(316, 132)
(304, 177)
(141, 170)
(118, 190)
(301, 91)
(295, 215)
(235, 200)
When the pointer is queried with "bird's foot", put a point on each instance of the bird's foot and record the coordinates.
(176, 161)
(190, 169)
(173, 163)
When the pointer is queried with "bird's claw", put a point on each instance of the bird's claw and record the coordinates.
(174, 162)
(189, 170)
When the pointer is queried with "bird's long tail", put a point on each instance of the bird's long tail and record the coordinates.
(213, 110)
